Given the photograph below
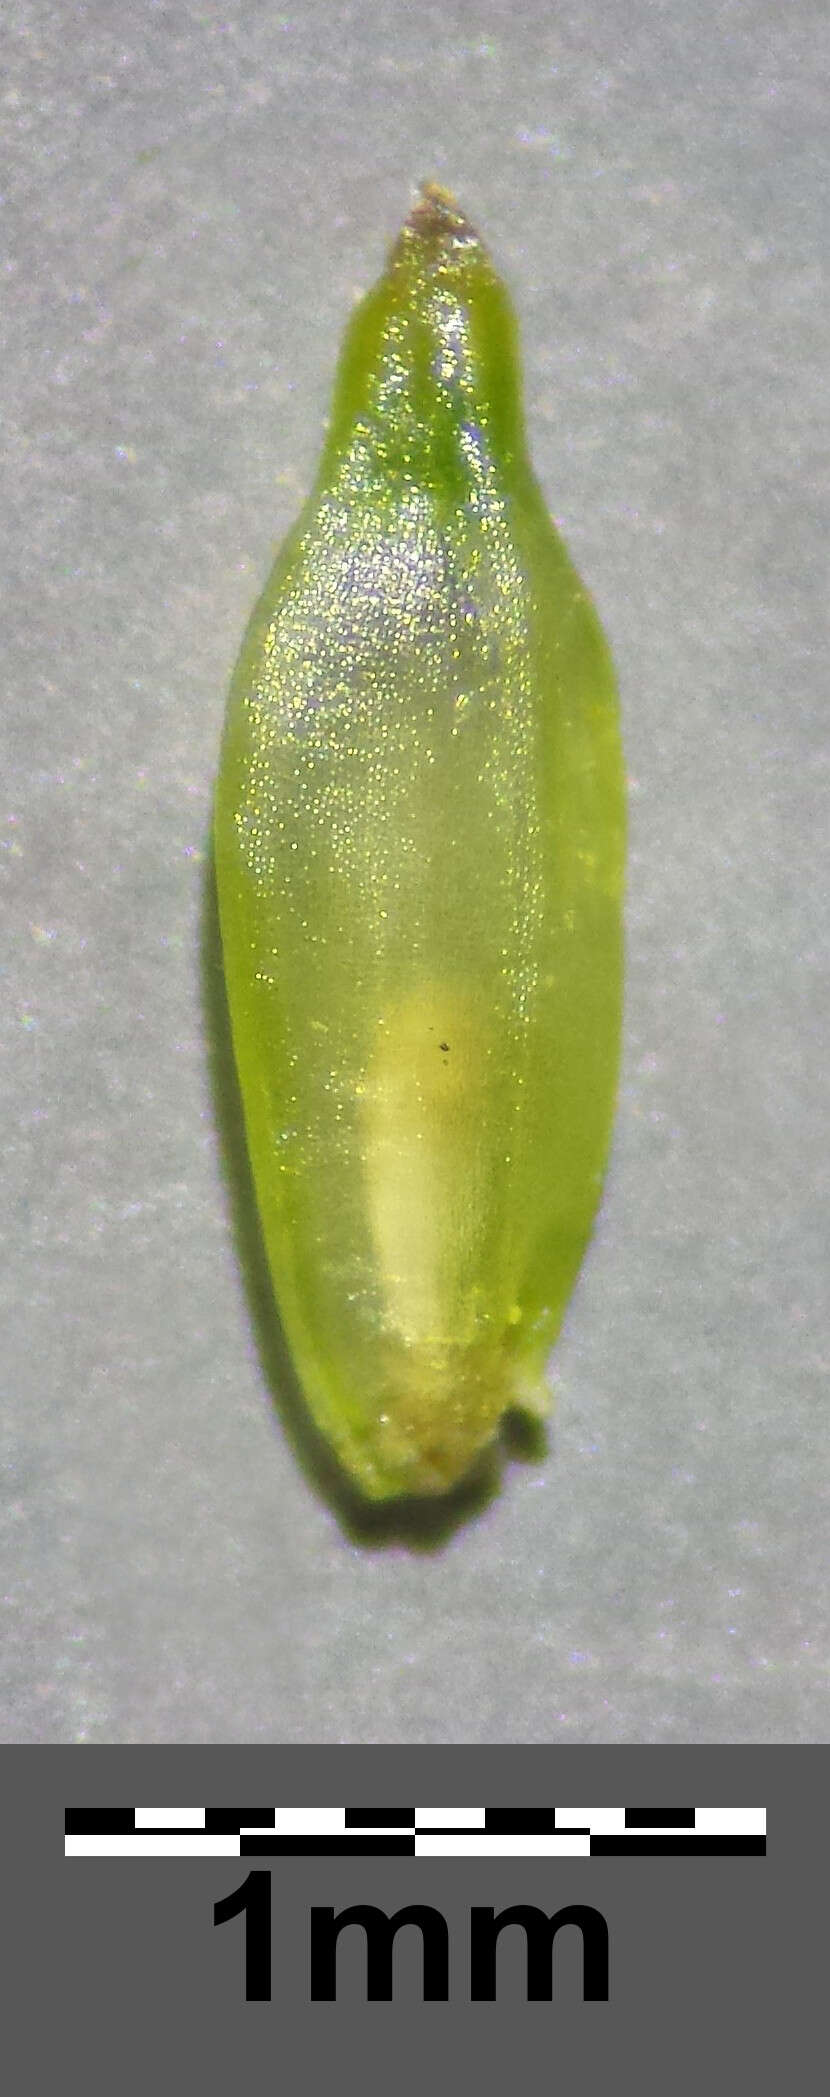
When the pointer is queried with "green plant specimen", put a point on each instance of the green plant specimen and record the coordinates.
(419, 849)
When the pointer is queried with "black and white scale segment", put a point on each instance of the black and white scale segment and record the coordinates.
(415, 1831)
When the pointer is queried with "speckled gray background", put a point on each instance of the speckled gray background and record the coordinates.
(195, 194)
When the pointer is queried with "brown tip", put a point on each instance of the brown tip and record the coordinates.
(436, 217)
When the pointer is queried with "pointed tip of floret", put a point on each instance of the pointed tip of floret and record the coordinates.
(436, 217)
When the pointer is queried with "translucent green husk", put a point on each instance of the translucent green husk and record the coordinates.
(419, 848)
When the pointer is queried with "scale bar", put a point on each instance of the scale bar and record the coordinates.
(419, 1831)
